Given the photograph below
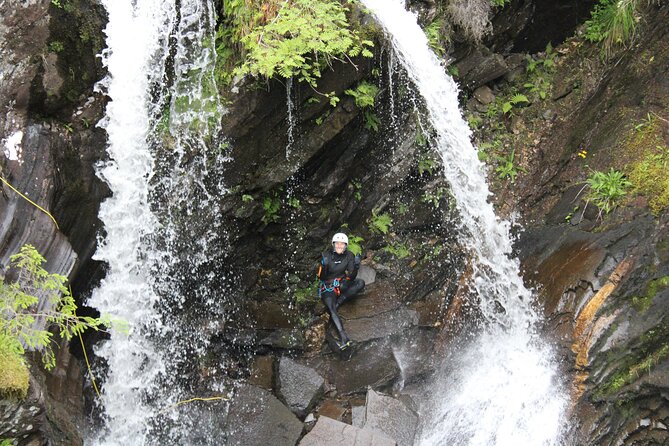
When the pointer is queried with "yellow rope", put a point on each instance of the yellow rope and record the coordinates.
(30, 201)
(211, 398)
(88, 364)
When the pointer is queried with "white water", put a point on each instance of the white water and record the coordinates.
(500, 389)
(290, 117)
(134, 36)
(139, 380)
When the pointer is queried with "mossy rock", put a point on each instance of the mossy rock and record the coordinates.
(14, 379)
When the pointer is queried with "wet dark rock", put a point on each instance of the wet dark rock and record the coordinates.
(288, 339)
(299, 386)
(480, 66)
(332, 409)
(262, 372)
(329, 432)
(391, 417)
(23, 419)
(371, 365)
(484, 95)
(257, 418)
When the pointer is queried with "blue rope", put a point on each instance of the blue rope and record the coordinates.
(324, 287)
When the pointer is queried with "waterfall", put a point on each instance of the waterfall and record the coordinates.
(500, 387)
(290, 117)
(160, 128)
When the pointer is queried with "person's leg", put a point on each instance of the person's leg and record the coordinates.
(330, 301)
(349, 289)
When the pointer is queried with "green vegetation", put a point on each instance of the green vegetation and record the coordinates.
(364, 95)
(14, 379)
(650, 177)
(357, 188)
(507, 167)
(295, 38)
(271, 205)
(652, 349)
(399, 250)
(56, 46)
(21, 321)
(426, 165)
(641, 303)
(607, 189)
(355, 244)
(434, 33)
(294, 203)
(515, 100)
(306, 294)
(380, 223)
(434, 198)
(612, 22)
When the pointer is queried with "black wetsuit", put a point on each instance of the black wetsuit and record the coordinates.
(342, 267)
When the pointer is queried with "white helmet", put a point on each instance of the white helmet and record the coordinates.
(339, 237)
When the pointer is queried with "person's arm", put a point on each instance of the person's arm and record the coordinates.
(353, 266)
(322, 267)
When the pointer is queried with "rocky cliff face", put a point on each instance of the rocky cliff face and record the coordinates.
(50, 145)
(295, 181)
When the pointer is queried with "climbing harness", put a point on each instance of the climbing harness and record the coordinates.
(336, 283)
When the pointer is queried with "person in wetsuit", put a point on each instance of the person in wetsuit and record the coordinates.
(338, 282)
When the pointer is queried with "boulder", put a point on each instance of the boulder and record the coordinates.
(367, 273)
(332, 409)
(329, 432)
(358, 416)
(391, 417)
(285, 338)
(480, 67)
(380, 325)
(376, 314)
(257, 418)
(262, 372)
(484, 95)
(373, 365)
(299, 386)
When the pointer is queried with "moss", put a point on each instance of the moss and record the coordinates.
(653, 348)
(14, 378)
(76, 37)
(649, 169)
(642, 303)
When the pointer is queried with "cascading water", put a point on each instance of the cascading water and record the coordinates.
(165, 184)
(500, 388)
(135, 36)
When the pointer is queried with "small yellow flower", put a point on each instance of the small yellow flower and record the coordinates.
(583, 153)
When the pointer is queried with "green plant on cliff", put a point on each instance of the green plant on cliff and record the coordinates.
(292, 38)
(435, 36)
(31, 305)
(515, 100)
(613, 22)
(355, 244)
(365, 95)
(607, 189)
(398, 250)
(380, 223)
(507, 167)
(271, 205)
